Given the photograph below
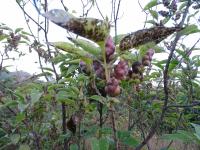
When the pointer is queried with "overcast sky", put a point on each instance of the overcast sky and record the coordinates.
(131, 19)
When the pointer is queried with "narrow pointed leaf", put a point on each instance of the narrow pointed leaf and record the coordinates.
(87, 46)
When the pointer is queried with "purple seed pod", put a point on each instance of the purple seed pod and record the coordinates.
(150, 52)
(98, 68)
(121, 70)
(164, 13)
(173, 5)
(112, 88)
(83, 67)
(178, 16)
(110, 48)
(166, 3)
(137, 67)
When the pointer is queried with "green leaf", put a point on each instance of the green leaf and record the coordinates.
(99, 144)
(15, 138)
(87, 46)
(197, 130)
(71, 69)
(126, 138)
(118, 38)
(73, 147)
(98, 98)
(183, 54)
(164, 21)
(179, 136)
(183, 5)
(103, 144)
(173, 64)
(151, 4)
(2, 133)
(26, 33)
(10, 103)
(35, 96)
(20, 117)
(64, 96)
(6, 28)
(3, 36)
(154, 14)
(70, 48)
(18, 30)
(94, 144)
(189, 30)
(24, 147)
(151, 22)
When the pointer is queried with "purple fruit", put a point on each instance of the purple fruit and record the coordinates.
(121, 70)
(112, 88)
(137, 67)
(110, 48)
(98, 68)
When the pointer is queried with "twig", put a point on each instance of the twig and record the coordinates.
(116, 18)
(29, 16)
(114, 129)
(99, 9)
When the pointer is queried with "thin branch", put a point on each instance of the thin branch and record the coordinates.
(114, 128)
(116, 18)
(30, 16)
(66, 9)
(99, 10)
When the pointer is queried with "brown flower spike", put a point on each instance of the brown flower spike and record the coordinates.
(155, 34)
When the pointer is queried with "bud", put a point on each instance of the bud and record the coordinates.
(137, 67)
(164, 13)
(121, 70)
(166, 3)
(173, 5)
(110, 48)
(84, 68)
(150, 52)
(98, 68)
(112, 88)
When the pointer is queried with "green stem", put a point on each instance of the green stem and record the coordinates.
(105, 63)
